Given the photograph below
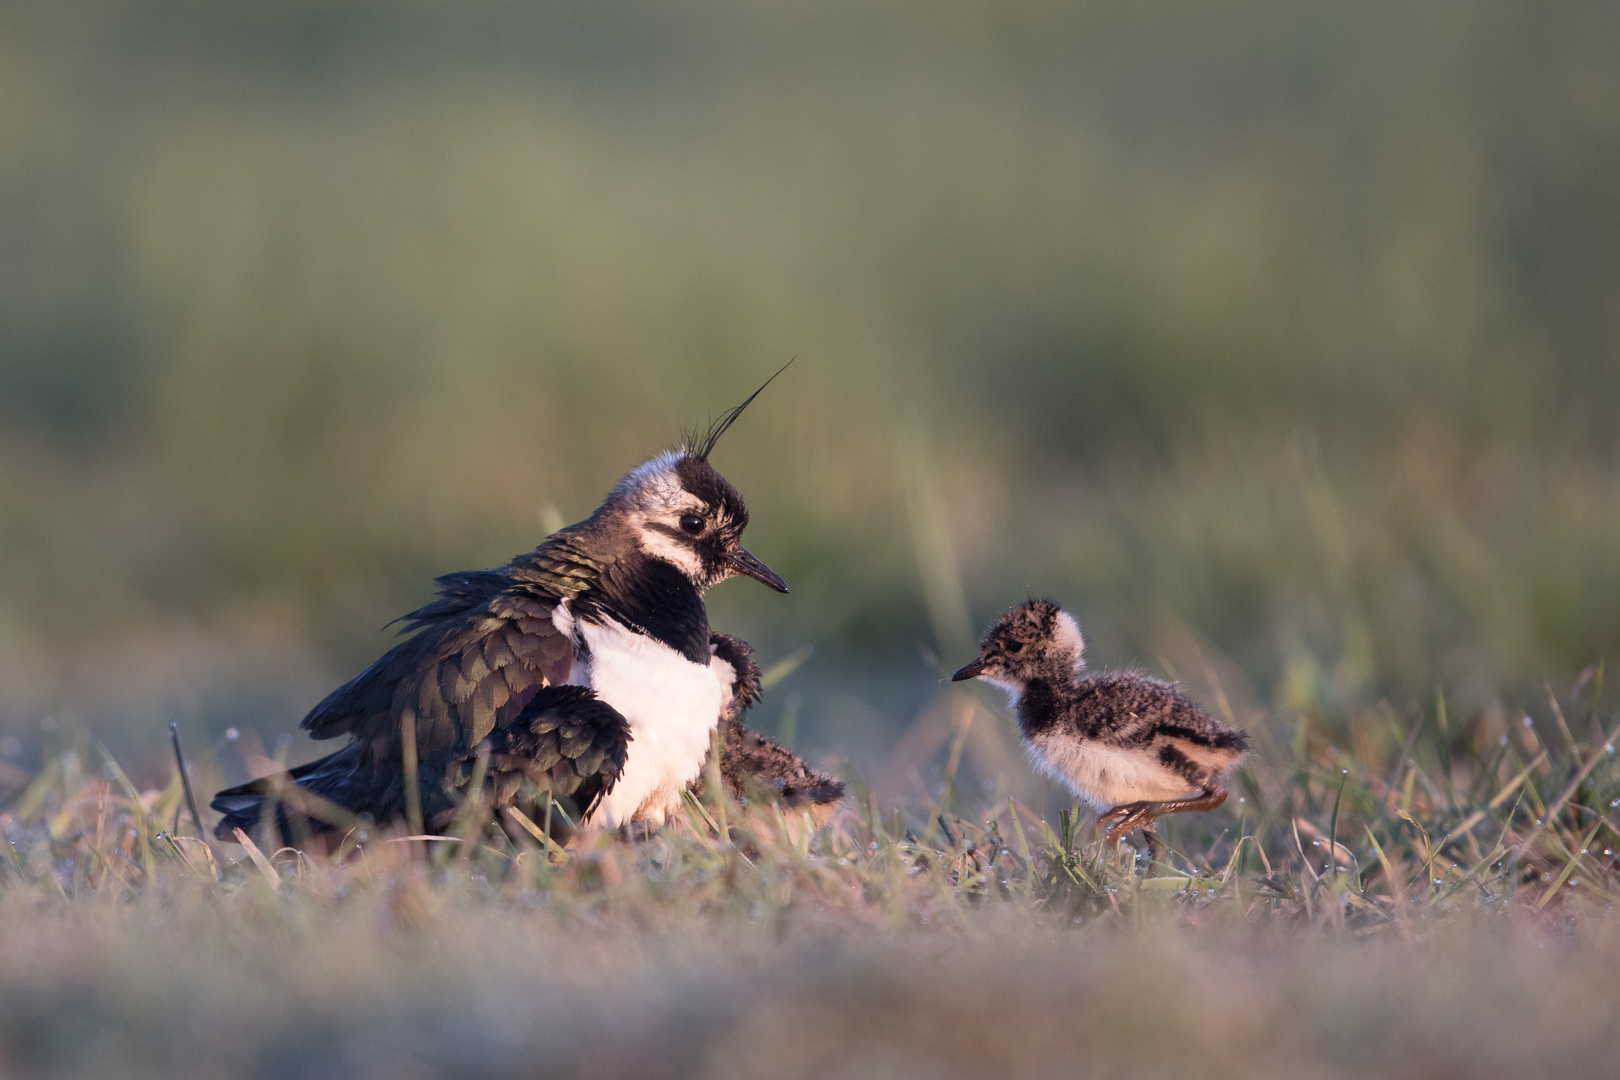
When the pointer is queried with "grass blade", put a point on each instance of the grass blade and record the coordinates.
(259, 860)
(185, 778)
(1569, 868)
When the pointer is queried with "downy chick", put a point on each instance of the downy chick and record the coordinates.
(756, 770)
(1133, 747)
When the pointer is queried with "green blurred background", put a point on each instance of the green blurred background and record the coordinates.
(1280, 341)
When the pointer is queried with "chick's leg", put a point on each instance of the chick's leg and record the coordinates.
(1212, 796)
(1143, 814)
(1126, 817)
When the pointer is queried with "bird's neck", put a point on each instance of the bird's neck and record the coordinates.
(600, 568)
(654, 598)
(1039, 705)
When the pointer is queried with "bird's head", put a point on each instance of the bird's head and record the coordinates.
(676, 508)
(1036, 639)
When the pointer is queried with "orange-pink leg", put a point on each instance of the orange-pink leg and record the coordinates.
(1142, 814)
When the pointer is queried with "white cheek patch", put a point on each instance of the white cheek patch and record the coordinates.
(663, 546)
(1012, 690)
(657, 502)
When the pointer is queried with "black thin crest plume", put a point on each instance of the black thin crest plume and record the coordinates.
(702, 446)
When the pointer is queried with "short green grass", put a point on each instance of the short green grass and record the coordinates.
(1463, 928)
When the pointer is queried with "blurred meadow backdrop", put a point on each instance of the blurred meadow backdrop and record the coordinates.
(1279, 341)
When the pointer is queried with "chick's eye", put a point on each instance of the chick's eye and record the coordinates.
(692, 523)
(1015, 647)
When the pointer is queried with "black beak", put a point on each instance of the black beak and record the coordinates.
(745, 563)
(969, 671)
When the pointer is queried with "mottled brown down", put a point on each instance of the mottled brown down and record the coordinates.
(755, 770)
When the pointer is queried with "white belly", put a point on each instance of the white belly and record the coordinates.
(1106, 776)
(672, 705)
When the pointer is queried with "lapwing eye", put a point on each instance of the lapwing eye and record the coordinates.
(1015, 647)
(692, 523)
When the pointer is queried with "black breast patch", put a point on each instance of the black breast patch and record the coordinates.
(653, 597)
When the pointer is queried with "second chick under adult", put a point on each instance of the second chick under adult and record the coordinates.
(755, 770)
(1134, 747)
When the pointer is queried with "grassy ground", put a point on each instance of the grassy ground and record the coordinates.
(1436, 912)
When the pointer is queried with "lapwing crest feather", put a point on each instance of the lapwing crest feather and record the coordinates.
(702, 445)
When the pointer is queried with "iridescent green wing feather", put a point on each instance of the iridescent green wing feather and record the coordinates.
(475, 657)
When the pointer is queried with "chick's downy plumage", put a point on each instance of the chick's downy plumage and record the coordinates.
(1134, 747)
(755, 770)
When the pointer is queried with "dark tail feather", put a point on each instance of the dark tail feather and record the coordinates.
(302, 798)
(244, 808)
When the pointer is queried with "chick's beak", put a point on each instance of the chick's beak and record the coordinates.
(969, 670)
(744, 563)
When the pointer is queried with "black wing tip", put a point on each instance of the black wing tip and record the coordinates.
(240, 811)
